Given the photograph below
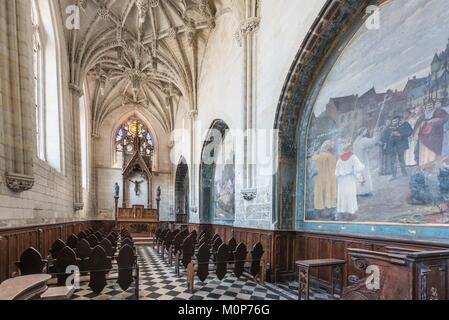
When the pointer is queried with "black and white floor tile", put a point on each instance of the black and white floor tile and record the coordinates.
(158, 281)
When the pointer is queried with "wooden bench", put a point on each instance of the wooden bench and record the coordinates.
(58, 293)
(24, 288)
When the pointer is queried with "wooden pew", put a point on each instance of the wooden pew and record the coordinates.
(94, 263)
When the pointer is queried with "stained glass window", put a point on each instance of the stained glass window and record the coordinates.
(131, 134)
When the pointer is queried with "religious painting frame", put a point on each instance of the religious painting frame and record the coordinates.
(419, 92)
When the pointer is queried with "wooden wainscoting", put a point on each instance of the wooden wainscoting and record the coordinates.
(13, 242)
(316, 246)
(284, 248)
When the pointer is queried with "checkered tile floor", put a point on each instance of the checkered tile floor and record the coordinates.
(158, 281)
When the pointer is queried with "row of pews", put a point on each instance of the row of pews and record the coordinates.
(98, 256)
(200, 254)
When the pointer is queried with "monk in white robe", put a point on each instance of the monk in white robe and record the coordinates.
(362, 149)
(349, 173)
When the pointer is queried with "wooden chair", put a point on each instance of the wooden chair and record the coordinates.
(127, 241)
(127, 269)
(188, 250)
(57, 246)
(99, 266)
(72, 241)
(107, 246)
(93, 240)
(111, 237)
(83, 252)
(31, 262)
(222, 261)
(203, 258)
(216, 244)
(232, 244)
(66, 258)
(256, 255)
(99, 236)
(185, 233)
(177, 242)
(82, 235)
(239, 260)
(203, 240)
(195, 234)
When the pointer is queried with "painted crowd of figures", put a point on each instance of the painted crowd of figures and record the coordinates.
(342, 168)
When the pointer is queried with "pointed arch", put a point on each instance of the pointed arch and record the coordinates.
(120, 121)
(182, 191)
(217, 176)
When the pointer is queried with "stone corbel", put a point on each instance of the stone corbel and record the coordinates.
(19, 182)
(249, 194)
(76, 90)
(250, 25)
(192, 114)
(78, 206)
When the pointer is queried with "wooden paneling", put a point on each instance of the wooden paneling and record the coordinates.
(13, 242)
(319, 246)
(284, 248)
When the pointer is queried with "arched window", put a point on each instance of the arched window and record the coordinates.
(37, 78)
(47, 83)
(84, 144)
(132, 133)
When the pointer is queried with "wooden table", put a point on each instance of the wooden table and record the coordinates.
(304, 267)
(24, 288)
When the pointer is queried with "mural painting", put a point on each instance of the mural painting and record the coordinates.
(224, 181)
(378, 136)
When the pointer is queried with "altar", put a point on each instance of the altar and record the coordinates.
(137, 213)
(138, 220)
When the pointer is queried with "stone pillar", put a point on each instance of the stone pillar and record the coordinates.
(76, 94)
(193, 115)
(248, 32)
(16, 98)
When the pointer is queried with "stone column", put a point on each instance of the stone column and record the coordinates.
(248, 32)
(16, 98)
(76, 94)
(193, 115)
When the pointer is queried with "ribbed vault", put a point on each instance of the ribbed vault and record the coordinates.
(140, 53)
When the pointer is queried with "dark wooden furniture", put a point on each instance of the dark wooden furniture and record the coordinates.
(399, 274)
(24, 288)
(203, 258)
(305, 266)
(31, 262)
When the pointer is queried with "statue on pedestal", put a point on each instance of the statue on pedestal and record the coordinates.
(116, 191)
(158, 193)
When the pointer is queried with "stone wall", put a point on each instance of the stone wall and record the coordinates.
(51, 200)
(222, 93)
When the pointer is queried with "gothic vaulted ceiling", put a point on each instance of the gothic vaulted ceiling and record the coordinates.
(141, 53)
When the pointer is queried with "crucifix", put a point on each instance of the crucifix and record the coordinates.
(136, 186)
